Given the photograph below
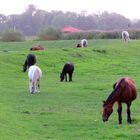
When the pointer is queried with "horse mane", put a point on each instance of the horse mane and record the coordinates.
(117, 86)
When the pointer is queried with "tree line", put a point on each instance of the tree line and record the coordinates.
(33, 20)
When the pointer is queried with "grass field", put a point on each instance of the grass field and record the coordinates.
(72, 110)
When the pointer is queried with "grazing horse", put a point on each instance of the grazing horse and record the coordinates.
(125, 36)
(67, 69)
(30, 60)
(84, 43)
(124, 92)
(34, 74)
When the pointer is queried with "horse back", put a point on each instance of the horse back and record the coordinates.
(68, 68)
(129, 92)
(132, 89)
(34, 73)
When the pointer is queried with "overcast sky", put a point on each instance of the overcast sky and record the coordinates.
(128, 8)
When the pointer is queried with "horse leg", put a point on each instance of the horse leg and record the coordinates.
(38, 86)
(66, 77)
(128, 113)
(119, 112)
(31, 87)
(70, 77)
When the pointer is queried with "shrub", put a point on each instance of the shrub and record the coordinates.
(134, 33)
(12, 36)
(101, 34)
(50, 34)
(78, 35)
(109, 35)
(53, 34)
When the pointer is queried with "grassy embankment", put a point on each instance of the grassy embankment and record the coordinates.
(63, 110)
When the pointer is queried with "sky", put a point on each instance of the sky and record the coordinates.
(128, 8)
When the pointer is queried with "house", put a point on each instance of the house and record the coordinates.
(70, 29)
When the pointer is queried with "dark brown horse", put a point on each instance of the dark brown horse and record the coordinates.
(67, 69)
(29, 61)
(124, 92)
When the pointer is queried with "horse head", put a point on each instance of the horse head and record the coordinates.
(107, 110)
(61, 77)
(24, 68)
(78, 45)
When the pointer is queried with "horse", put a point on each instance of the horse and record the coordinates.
(36, 48)
(34, 74)
(30, 60)
(84, 43)
(67, 69)
(124, 91)
(125, 36)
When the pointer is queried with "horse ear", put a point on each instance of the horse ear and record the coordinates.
(114, 85)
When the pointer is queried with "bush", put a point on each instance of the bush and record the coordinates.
(134, 33)
(12, 36)
(100, 34)
(54, 34)
(50, 34)
(78, 35)
(109, 35)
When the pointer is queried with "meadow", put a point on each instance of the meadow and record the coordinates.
(67, 110)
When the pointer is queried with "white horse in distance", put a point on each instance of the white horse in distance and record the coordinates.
(125, 36)
(84, 43)
(34, 74)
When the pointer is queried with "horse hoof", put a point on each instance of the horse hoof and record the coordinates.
(129, 122)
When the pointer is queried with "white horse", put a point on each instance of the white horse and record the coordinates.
(125, 36)
(84, 43)
(34, 74)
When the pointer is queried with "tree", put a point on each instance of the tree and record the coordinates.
(50, 34)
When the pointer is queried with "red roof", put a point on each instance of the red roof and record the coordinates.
(70, 29)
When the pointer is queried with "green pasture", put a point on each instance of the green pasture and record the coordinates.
(67, 110)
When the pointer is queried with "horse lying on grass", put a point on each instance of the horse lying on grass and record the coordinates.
(124, 92)
(37, 48)
(67, 69)
(34, 74)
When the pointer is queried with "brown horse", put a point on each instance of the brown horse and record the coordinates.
(124, 92)
(37, 48)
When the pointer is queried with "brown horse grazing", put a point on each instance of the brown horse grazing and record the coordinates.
(124, 92)
(67, 69)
